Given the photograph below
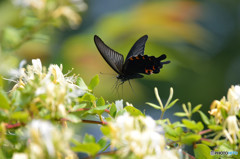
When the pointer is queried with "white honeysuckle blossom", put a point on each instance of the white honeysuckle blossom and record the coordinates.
(231, 104)
(139, 135)
(60, 91)
(233, 97)
(46, 140)
(119, 105)
(20, 156)
(231, 129)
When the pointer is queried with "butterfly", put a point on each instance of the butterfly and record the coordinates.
(136, 63)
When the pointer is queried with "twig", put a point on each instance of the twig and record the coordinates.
(190, 156)
(12, 126)
(94, 122)
(204, 131)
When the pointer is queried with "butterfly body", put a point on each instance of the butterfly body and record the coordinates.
(136, 63)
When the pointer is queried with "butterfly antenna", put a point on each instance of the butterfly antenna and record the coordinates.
(101, 73)
(114, 87)
(131, 87)
(122, 89)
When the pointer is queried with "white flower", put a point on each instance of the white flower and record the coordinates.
(233, 97)
(119, 105)
(19, 156)
(37, 66)
(47, 140)
(138, 135)
(231, 129)
(59, 92)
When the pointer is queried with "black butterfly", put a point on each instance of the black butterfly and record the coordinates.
(136, 62)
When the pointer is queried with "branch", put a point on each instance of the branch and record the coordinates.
(94, 122)
(12, 126)
(205, 131)
(86, 109)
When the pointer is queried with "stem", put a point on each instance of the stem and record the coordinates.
(86, 109)
(205, 131)
(190, 156)
(12, 126)
(94, 122)
(161, 117)
(206, 139)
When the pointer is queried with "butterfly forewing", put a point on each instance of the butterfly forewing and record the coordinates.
(138, 47)
(113, 58)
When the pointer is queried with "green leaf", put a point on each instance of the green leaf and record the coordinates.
(200, 126)
(88, 97)
(102, 142)
(4, 101)
(171, 104)
(105, 130)
(177, 124)
(169, 130)
(202, 152)
(97, 110)
(189, 124)
(179, 131)
(215, 127)
(204, 118)
(208, 143)
(153, 105)
(73, 118)
(81, 83)
(89, 139)
(100, 101)
(193, 125)
(89, 148)
(113, 110)
(22, 116)
(190, 138)
(133, 111)
(79, 106)
(180, 114)
(94, 82)
(195, 109)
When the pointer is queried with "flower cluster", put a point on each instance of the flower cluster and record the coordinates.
(51, 88)
(46, 141)
(139, 136)
(225, 112)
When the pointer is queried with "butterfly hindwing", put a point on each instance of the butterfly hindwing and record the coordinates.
(138, 47)
(113, 58)
(144, 64)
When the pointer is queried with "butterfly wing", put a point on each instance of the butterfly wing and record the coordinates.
(138, 47)
(144, 64)
(113, 58)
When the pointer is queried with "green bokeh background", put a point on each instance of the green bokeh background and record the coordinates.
(200, 38)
